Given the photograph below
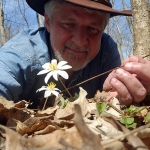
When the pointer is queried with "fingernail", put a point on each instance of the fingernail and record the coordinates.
(113, 80)
(128, 66)
(119, 71)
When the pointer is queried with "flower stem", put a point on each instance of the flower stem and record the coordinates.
(45, 103)
(64, 87)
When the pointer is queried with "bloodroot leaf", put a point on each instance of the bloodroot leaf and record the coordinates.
(101, 107)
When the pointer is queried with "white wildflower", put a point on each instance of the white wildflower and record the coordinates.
(49, 89)
(54, 69)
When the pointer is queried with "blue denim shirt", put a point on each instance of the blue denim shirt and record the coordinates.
(22, 57)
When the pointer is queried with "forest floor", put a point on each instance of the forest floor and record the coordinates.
(84, 124)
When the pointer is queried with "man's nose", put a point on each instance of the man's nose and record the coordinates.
(80, 37)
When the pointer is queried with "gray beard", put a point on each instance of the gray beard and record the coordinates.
(59, 58)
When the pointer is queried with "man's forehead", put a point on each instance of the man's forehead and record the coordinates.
(78, 9)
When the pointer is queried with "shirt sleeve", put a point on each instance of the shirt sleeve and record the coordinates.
(17, 61)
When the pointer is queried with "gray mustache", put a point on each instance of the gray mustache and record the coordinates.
(75, 47)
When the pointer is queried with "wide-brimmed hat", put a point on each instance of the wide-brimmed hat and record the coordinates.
(102, 5)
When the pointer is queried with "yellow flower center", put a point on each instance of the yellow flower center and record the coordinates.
(51, 85)
(53, 66)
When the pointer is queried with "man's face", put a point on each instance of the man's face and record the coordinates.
(75, 34)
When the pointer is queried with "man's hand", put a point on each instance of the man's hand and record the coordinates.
(131, 81)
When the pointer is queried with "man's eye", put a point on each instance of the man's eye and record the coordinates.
(68, 25)
(93, 30)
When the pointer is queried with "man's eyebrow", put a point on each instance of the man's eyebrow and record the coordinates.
(95, 23)
(68, 19)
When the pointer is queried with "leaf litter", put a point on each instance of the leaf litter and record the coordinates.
(84, 124)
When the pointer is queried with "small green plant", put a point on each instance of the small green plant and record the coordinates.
(132, 110)
(128, 122)
(63, 102)
(72, 99)
(147, 118)
(101, 107)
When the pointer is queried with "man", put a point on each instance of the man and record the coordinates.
(74, 33)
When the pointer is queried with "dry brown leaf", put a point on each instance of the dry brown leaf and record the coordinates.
(12, 139)
(145, 133)
(116, 104)
(69, 109)
(104, 128)
(101, 96)
(135, 141)
(48, 111)
(48, 129)
(89, 138)
(5, 103)
(21, 128)
(17, 114)
(22, 104)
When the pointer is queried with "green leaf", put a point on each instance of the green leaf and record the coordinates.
(63, 102)
(72, 99)
(76, 96)
(101, 107)
(132, 125)
(147, 118)
(127, 121)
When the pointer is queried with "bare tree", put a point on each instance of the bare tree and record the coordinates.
(141, 18)
(2, 29)
(22, 11)
(40, 20)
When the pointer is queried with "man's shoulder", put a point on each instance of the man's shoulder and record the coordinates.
(30, 44)
(107, 43)
(28, 35)
(106, 37)
(27, 40)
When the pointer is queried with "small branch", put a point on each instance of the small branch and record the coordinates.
(115, 108)
(126, 134)
(91, 78)
(97, 76)
(64, 87)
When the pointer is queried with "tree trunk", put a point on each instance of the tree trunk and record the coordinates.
(2, 30)
(40, 20)
(141, 27)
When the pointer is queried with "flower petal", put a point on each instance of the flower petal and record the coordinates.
(55, 93)
(46, 65)
(42, 88)
(43, 72)
(56, 89)
(47, 93)
(64, 74)
(55, 74)
(48, 77)
(61, 63)
(65, 67)
(54, 61)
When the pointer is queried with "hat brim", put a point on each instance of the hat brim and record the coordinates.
(38, 6)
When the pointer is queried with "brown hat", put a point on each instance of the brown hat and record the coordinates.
(102, 5)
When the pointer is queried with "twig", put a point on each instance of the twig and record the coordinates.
(135, 141)
(126, 134)
(98, 76)
(92, 78)
(64, 87)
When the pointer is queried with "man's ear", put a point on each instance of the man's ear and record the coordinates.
(47, 22)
